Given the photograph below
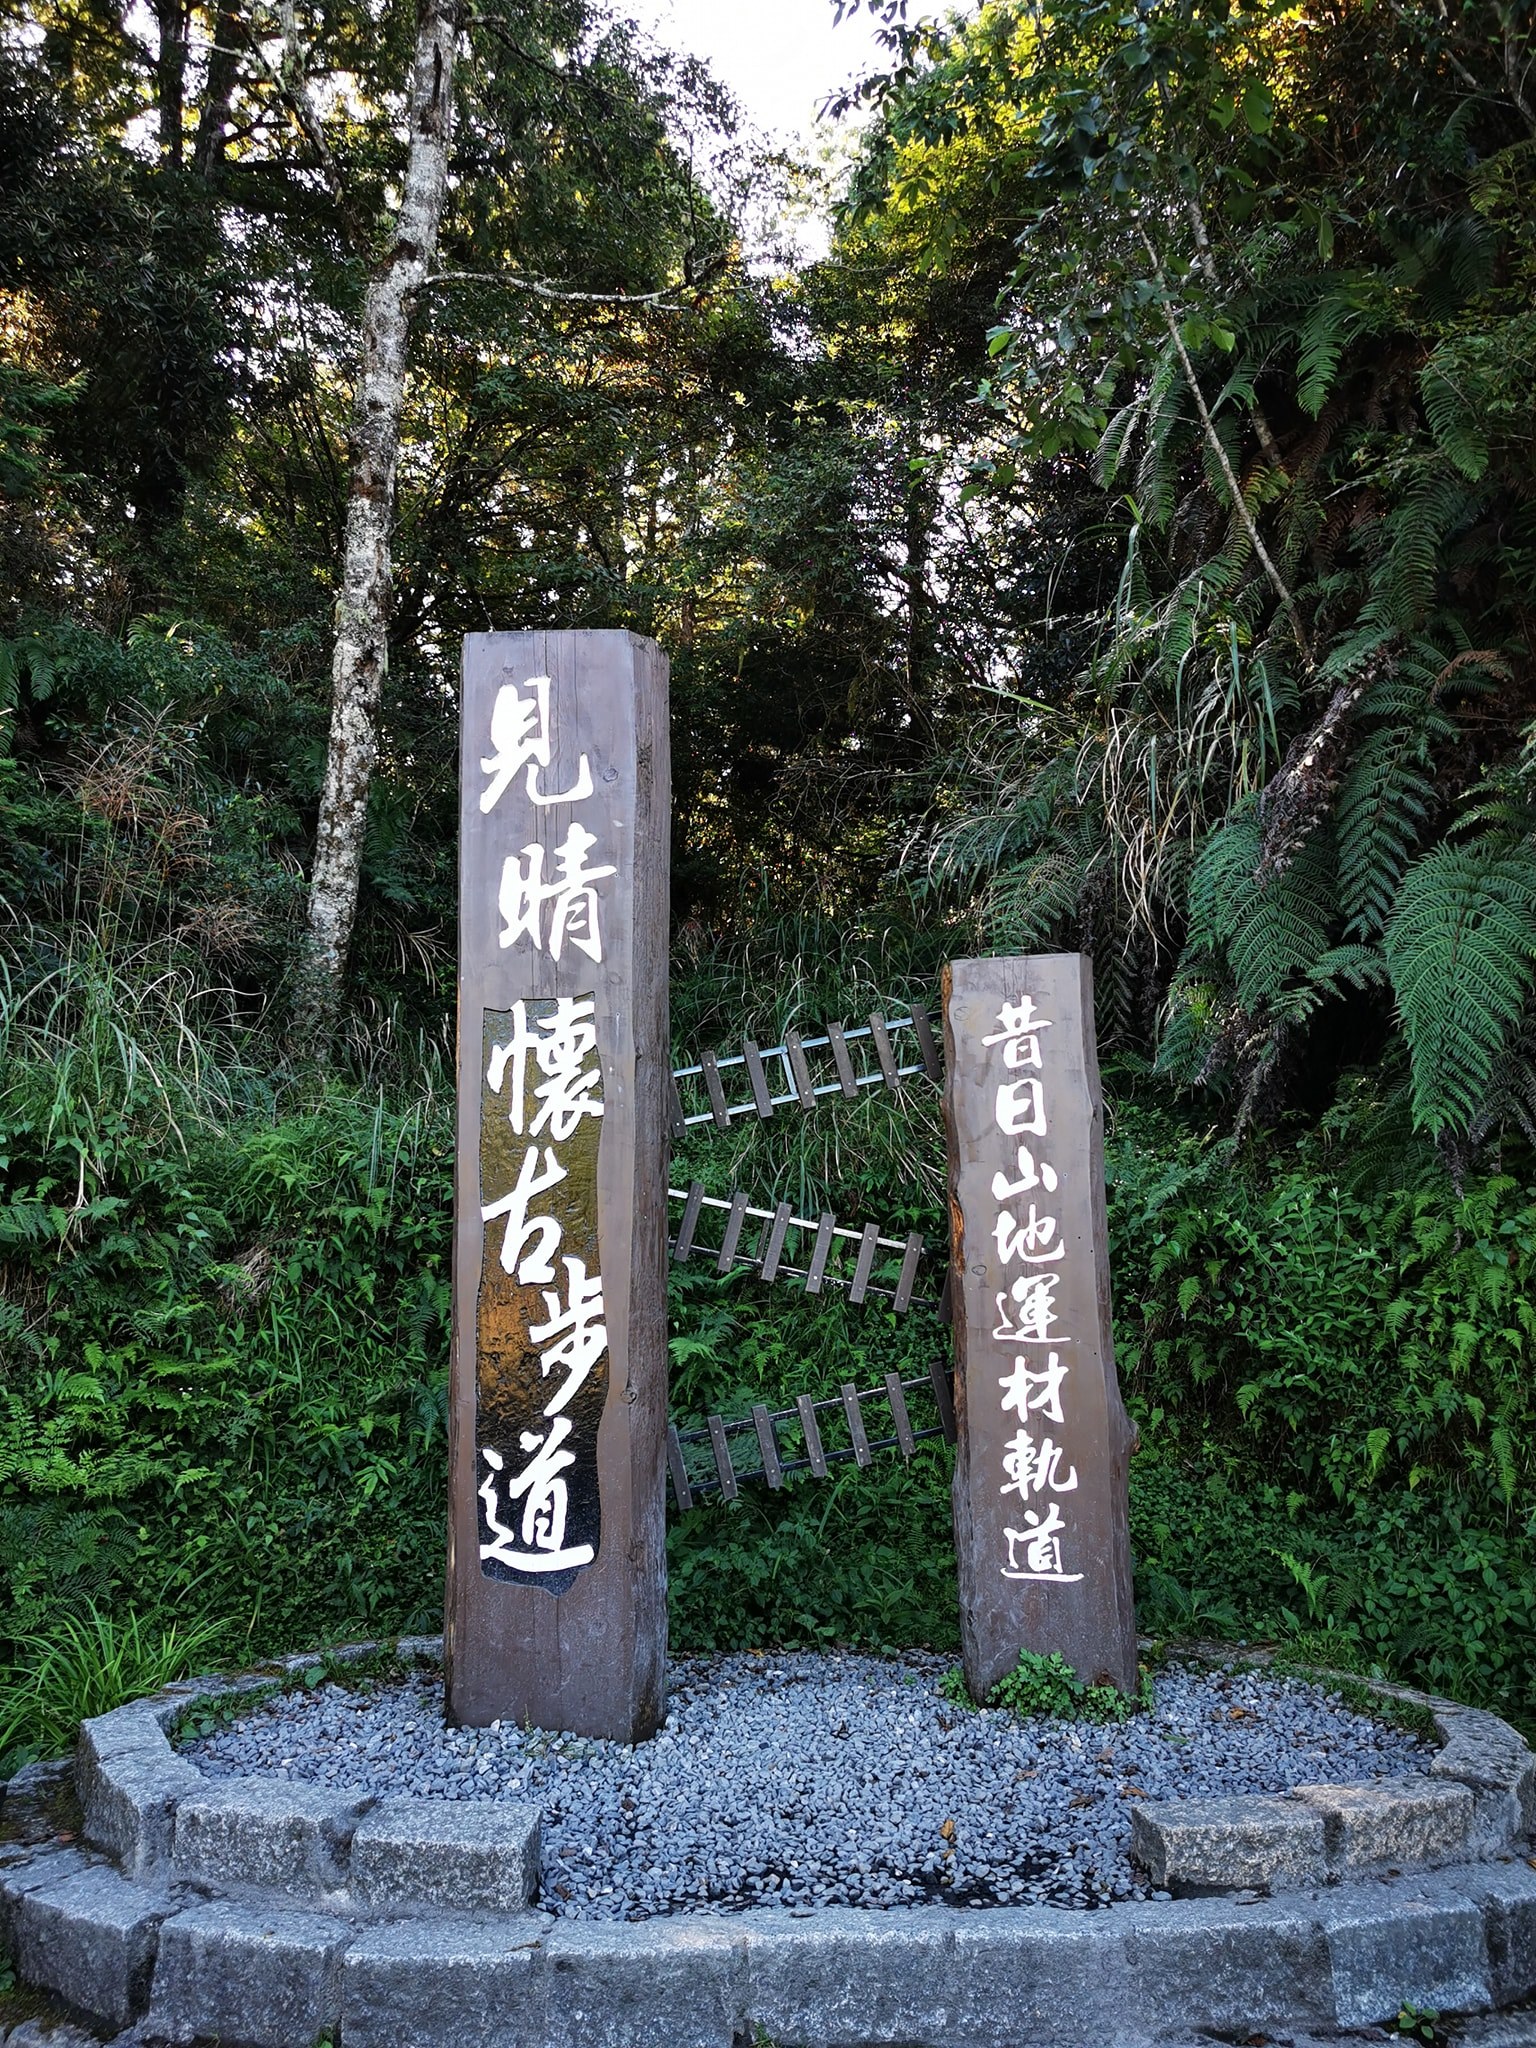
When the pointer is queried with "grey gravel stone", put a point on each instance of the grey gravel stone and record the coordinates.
(446, 1852)
(1199, 1845)
(90, 1938)
(254, 1831)
(799, 1780)
(248, 1977)
(1397, 1822)
(1389, 1949)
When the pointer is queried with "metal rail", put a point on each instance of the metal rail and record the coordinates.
(767, 1257)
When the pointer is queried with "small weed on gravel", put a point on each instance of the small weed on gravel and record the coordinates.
(1049, 1686)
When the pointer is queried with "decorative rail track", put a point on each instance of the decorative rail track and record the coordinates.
(866, 1263)
(795, 1074)
(717, 1472)
(828, 1264)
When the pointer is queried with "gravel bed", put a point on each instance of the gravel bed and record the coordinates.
(812, 1780)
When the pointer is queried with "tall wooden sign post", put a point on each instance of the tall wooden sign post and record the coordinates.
(1040, 1491)
(556, 1607)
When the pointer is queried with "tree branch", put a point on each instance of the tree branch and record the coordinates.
(1212, 276)
(289, 81)
(1469, 78)
(554, 293)
(1239, 503)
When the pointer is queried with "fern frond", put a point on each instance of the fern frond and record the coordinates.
(1461, 945)
(1115, 441)
(1452, 412)
(1403, 580)
(1382, 806)
(1327, 332)
(1157, 471)
(1272, 932)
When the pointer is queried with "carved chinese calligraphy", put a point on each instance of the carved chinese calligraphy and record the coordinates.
(1040, 1503)
(556, 1587)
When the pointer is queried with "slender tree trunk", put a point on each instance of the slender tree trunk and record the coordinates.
(171, 79)
(361, 657)
(218, 94)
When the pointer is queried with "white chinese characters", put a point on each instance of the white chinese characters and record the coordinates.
(1028, 1237)
(520, 738)
(560, 908)
(543, 1087)
(546, 1079)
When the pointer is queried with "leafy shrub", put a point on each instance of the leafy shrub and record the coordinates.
(1048, 1685)
(1335, 1403)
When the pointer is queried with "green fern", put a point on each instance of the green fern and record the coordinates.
(1382, 806)
(1461, 946)
(1416, 533)
(1455, 409)
(1326, 334)
(1271, 932)
(1341, 967)
(1156, 472)
(1193, 1029)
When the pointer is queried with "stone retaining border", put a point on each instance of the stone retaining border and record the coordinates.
(266, 1914)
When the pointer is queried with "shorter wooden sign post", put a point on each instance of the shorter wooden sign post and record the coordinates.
(557, 1607)
(1040, 1492)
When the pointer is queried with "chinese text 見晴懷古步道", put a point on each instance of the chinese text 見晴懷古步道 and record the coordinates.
(543, 1334)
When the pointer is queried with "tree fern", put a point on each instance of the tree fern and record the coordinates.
(1269, 933)
(1403, 580)
(1388, 792)
(1341, 967)
(1461, 945)
(1382, 806)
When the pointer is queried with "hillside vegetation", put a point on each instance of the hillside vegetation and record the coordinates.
(1121, 540)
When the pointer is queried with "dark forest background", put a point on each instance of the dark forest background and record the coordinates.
(1123, 538)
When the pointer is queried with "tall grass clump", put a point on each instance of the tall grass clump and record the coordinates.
(223, 1333)
(87, 1663)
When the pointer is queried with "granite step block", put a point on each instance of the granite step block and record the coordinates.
(1393, 1823)
(1194, 1846)
(457, 1853)
(247, 1977)
(261, 1831)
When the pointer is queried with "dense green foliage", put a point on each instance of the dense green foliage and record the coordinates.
(1122, 539)
(1268, 331)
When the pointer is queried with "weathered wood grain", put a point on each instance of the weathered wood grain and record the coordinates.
(1032, 1299)
(582, 1649)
